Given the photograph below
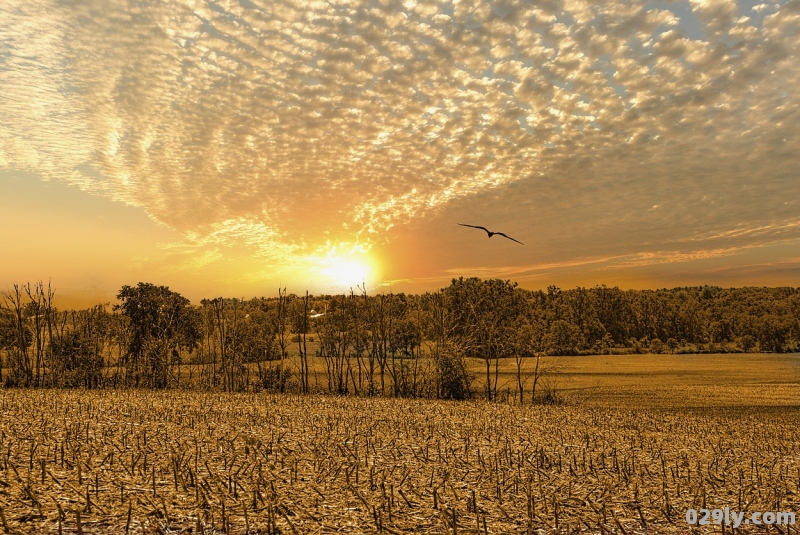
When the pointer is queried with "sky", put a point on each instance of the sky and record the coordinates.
(234, 147)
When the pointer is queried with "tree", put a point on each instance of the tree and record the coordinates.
(385, 314)
(39, 310)
(747, 343)
(530, 343)
(563, 338)
(21, 370)
(672, 344)
(9, 336)
(258, 341)
(242, 332)
(282, 324)
(405, 343)
(301, 326)
(486, 315)
(222, 341)
(78, 350)
(162, 324)
(438, 326)
(334, 332)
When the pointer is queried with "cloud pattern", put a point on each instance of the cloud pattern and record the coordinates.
(288, 126)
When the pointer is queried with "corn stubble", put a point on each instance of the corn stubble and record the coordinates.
(143, 462)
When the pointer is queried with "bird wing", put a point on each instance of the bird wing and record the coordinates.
(474, 226)
(509, 237)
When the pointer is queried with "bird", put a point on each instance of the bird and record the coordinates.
(490, 233)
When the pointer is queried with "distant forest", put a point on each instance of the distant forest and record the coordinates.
(384, 344)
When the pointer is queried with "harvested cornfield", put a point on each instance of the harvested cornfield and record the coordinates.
(177, 462)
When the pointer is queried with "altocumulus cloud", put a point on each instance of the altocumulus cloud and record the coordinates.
(287, 126)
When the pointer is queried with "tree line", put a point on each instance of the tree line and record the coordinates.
(386, 344)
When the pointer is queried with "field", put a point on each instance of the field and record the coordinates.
(669, 381)
(638, 441)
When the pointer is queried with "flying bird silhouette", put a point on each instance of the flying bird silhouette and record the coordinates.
(490, 233)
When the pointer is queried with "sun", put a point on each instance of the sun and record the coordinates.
(348, 270)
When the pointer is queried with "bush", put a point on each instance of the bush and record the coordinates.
(408, 379)
(454, 379)
(672, 344)
(77, 361)
(656, 346)
(550, 395)
(747, 343)
(272, 380)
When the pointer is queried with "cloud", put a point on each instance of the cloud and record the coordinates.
(287, 126)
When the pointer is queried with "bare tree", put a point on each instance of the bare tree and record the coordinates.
(533, 340)
(282, 324)
(208, 342)
(8, 334)
(119, 337)
(333, 332)
(359, 340)
(300, 327)
(20, 372)
(379, 313)
(40, 307)
(221, 334)
(530, 343)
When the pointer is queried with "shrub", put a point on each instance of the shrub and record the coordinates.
(453, 377)
(656, 346)
(77, 361)
(747, 343)
(672, 344)
(550, 395)
(272, 380)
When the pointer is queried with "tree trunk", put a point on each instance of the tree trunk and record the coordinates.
(535, 379)
(496, 374)
(488, 380)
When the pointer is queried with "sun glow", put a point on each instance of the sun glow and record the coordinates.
(348, 269)
(346, 272)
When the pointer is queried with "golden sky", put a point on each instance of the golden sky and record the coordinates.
(229, 147)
